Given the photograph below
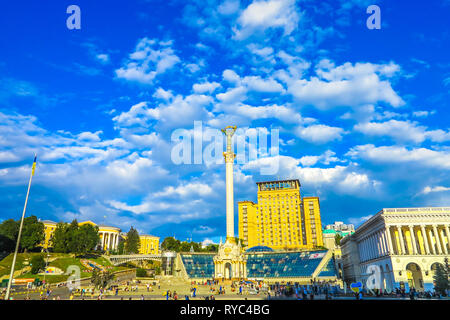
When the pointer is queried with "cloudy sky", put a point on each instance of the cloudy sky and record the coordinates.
(362, 114)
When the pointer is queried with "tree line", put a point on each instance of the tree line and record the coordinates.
(172, 244)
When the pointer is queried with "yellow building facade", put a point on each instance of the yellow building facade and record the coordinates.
(49, 228)
(281, 219)
(149, 244)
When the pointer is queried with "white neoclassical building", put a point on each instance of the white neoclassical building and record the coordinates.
(109, 236)
(404, 244)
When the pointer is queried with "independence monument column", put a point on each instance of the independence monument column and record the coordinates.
(230, 263)
(229, 156)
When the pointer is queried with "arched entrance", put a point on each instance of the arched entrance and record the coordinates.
(227, 270)
(414, 274)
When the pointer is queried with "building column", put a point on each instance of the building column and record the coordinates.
(374, 246)
(366, 250)
(389, 238)
(378, 245)
(425, 239)
(444, 245)
(429, 232)
(109, 240)
(361, 251)
(385, 243)
(402, 242)
(436, 237)
(113, 241)
(448, 236)
(103, 240)
(413, 239)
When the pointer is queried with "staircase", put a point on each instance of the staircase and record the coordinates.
(322, 263)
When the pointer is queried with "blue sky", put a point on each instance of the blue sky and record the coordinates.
(363, 114)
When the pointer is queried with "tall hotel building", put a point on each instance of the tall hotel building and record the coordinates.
(281, 219)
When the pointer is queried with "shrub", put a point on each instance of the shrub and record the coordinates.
(141, 273)
(37, 264)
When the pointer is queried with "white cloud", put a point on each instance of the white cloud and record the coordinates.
(402, 131)
(205, 87)
(343, 179)
(103, 58)
(231, 76)
(393, 154)
(256, 83)
(347, 85)
(423, 113)
(170, 114)
(229, 7)
(326, 158)
(203, 230)
(261, 15)
(163, 94)
(360, 220)
(8, 156)
(320, 133)
(207, 242)
(429, 189)
(189, 189)
(233, 95)
(149, 59)
(90, 136)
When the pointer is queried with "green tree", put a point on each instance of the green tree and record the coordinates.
(441, 279)
(72, 241)
(121, 247)
(185, 246)
(142, 273)
(100, 279)
(212, 248)
(59, 239)
(171, 244)
(37, 264)
(32, 233)
(9, 230)
(87, 238)
(337, 239)
(157, 270)
(133, 242)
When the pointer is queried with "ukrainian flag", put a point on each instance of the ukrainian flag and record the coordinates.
(34, 165)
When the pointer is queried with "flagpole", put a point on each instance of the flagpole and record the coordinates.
(11, 275)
